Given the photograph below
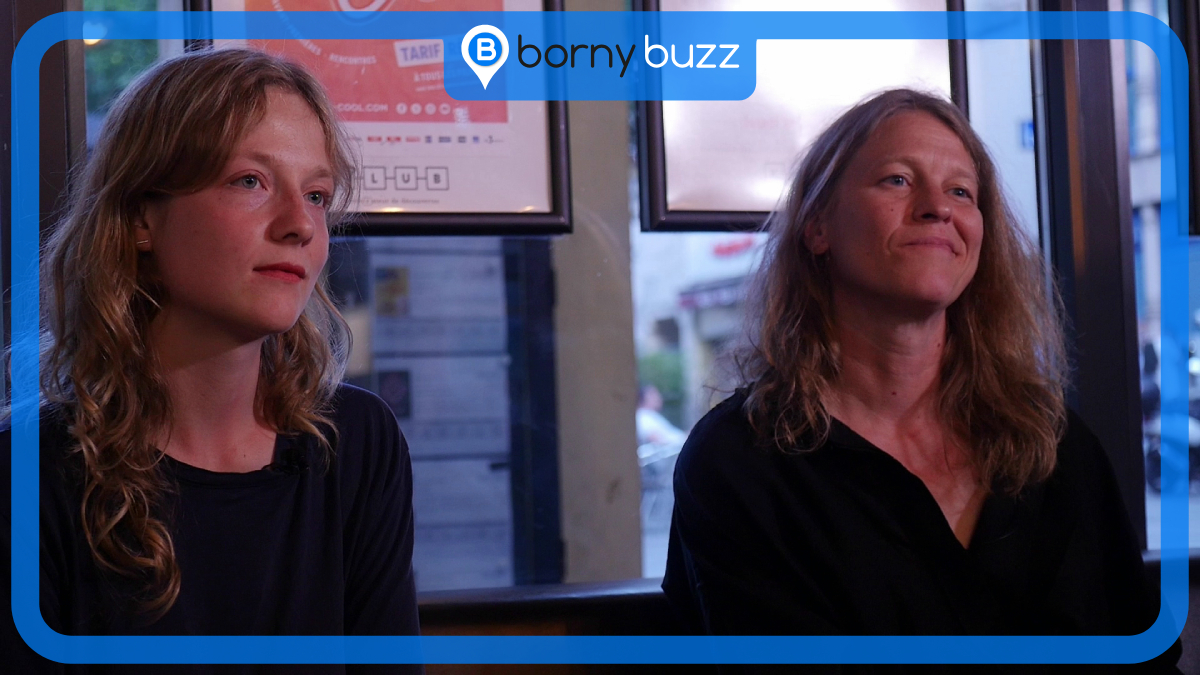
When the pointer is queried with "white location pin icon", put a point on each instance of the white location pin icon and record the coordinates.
(490, 51)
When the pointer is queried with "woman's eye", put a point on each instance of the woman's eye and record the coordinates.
(317, 198)
(248, 182)
(962, 192)
(898, 181)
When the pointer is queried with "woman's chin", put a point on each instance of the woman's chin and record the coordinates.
(266, 327)
(935, 295)
(915, 305)
(281, 327)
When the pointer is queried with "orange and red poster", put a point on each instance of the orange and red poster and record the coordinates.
(421, 150)
(383, 80)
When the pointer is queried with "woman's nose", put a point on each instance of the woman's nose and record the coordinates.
(932, 205)
(293, 220)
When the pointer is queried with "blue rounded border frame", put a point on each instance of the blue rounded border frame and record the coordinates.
(599, 649)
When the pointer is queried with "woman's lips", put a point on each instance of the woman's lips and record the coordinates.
(932, 242)
(283, 272)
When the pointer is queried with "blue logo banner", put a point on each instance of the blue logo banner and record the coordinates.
(566, 56)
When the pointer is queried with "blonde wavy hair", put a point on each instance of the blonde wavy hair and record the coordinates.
(170, 133)
(1004, 366)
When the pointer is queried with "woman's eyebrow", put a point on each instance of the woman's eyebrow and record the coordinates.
(956, 171)
(322, 172)
(274, 162)
(967, 174)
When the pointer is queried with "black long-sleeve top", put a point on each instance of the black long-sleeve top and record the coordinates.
(843, 540)
(300, 547)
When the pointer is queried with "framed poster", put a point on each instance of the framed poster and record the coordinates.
(724, 165)
(431, 164)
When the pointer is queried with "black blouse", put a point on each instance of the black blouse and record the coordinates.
(844, 540)
(294, 548)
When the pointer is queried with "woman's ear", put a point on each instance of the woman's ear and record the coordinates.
(816, 237)
(141, 229)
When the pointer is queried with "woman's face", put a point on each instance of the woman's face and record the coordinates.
(244, 254)
(903, 231)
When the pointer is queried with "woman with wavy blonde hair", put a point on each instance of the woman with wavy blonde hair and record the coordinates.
(899, 459)
(203, 469)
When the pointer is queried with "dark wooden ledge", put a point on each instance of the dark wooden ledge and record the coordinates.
(633, 607)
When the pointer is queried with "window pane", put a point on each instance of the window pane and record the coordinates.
(1143, 84)
(1000, 99)
(688, 292)
(441, 328)
(110, 65)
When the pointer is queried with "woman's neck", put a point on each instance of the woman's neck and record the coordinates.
(889, 365)
(212, 380)
(887, 391)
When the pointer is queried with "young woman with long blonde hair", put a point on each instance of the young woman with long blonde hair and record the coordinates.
(203, 471)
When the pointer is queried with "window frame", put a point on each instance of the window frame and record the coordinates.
(1185, 21)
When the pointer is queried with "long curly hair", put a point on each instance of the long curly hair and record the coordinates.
(1004, 367)
(170, 133)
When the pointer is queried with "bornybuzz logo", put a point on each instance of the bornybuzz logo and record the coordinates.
(485, 49)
